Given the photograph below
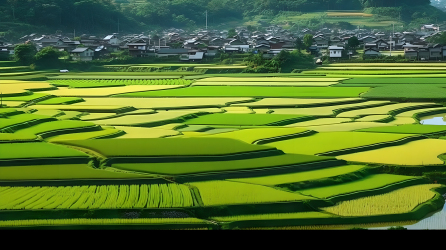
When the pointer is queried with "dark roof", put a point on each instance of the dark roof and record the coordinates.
(172, 51)
(137, 44)
(51, 40)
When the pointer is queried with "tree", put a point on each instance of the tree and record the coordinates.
(438, 38)
(24, 53)
(78, 38)
(232, 33)
(308, 40)
(251, 28)
(298, 44)
(353, 42)
(47, 57)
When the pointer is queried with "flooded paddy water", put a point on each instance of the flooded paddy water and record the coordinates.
(438, 119)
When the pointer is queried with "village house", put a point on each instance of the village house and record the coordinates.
(336, 52)
(82, 54)
(111, 39)
(435, 52)
(429, 28)
(371, 53)
(172, 52)
(192, 55)
(321, 41)
(138, 49)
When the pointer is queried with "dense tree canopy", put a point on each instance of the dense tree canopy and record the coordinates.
(24, 53)
(106, 16)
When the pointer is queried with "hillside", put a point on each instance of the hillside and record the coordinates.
(104, 16)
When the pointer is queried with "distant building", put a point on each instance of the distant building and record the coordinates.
(82, 54)
(336, 52)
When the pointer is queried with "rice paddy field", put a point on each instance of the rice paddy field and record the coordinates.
(334, 147)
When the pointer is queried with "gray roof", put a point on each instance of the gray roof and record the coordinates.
(79, 50)
(172, 51)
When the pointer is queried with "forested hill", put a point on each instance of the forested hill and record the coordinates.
(102, 16)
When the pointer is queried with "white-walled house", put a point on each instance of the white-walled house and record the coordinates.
(335, 51)
(112, 40)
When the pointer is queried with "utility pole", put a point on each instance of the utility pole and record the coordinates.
(118, 25)
(390, 45)
(206, 20)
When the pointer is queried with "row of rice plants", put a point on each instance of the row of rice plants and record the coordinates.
(96, 197)
(215, 193)
(83, 83)
(82, 221)
(402, 200)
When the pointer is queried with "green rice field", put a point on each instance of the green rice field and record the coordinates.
(184, 168)
(152, 147)
(368, 183)
(244, 91)
(333, 147)
(333, 141)
(248, 119)
(301, 176)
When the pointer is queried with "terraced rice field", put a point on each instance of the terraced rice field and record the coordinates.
(387, 109)
(137, 132)
(105, 197)
(184, 150)
(60, 172)
(103, 92)
(368, 183)
(35, 150)
(278, 102)
(399, 201)
(216, 193)
(105, 133)
(283, 83)
(248, 119)
(301, 176)
(76, 83)
(244, 91)
(164, 103)
(416, 153)
(161, 147)
(347, 126)
(150, 120)
(408, 129)
(332, 110)
(187, 168)
(283, 216)
(260, 134)
(333, 141)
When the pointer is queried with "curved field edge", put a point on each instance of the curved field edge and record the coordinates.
(372, 146)
(79, 223)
